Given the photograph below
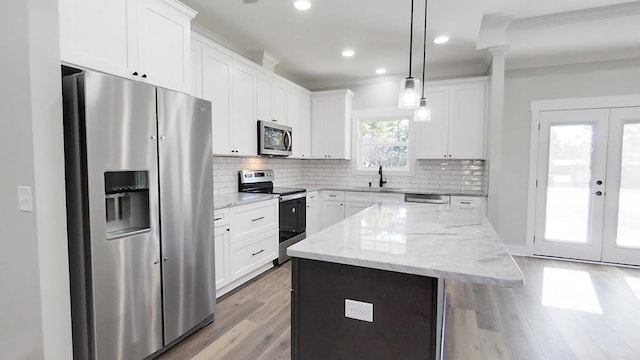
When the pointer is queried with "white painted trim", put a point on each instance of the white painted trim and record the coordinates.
(537, 106)
(586, 103)
(518, 250)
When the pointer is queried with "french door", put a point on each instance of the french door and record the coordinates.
(588, 190)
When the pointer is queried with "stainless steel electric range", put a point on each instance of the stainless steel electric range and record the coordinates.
(292, 211)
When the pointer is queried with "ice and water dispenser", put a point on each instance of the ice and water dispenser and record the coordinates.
(127, 202)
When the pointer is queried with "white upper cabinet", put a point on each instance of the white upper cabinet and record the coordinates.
(299, 118)
(243, 126)
(146, 40)
(457, 126)
(164, 43)
(331, 124)
(230, 85)
(272, 99)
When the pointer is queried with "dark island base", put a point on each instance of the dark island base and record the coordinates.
(404, 313)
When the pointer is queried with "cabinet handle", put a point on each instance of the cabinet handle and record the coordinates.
(165, 258)
(144, 76)
(254, 254)
(228, 229)
(156, 262)
(465, 202)
(275, 120)
(332, 195)
(256, 219)
(445, 155)
(135, 73)
(449, 155)
(218, 218)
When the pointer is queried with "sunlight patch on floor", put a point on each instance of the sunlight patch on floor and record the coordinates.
(569, 289)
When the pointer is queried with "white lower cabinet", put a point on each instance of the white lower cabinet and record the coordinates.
(314, 213)
(470, 202)
(251, 254)
(222, 237)
(247, 245)
(352, 208)
(332, 207)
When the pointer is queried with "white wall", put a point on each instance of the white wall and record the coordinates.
(34, 305)
(523, 86)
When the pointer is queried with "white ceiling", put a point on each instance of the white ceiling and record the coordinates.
(309, 44)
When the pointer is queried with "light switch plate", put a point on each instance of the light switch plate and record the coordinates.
(25, 199)
(358, 310)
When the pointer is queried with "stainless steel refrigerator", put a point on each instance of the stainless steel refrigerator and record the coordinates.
(140, 215)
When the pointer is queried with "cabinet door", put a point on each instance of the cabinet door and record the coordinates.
(298, 110)
(327, 114)
(313, 217)
(430, 138)
(243, 124)
(279, 102)
(164, 45)
(94, 34)
(216, 87)
(332, 212)
(466, 122)
(304, 133)
(352, 208)
(222, 237)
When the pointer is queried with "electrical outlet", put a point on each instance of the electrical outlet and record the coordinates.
(358, 310)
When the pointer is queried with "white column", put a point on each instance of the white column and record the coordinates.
(494, 141)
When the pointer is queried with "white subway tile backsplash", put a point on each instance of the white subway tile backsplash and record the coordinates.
(459, 176)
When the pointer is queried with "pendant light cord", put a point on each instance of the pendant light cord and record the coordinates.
(424, 50)
(411, 40)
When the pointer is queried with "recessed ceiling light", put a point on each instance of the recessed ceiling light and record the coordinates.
(381, 71)
(302, 4)
(348, 53)
(441, 39)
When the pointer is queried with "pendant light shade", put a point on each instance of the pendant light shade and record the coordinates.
(409, 97)
(423, 112)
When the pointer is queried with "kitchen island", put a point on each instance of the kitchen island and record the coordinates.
(372, 285)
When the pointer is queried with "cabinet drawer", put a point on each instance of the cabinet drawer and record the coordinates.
(312, 197)
(254, 218)
(333, 195)
(248, 255)
(389, 197)
(467, 202)
(359, 196)
(221, 217)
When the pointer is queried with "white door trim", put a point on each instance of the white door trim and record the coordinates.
(537, 106)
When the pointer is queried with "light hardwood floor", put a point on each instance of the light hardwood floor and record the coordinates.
(566, 310)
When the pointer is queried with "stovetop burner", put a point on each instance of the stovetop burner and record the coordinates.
(261, 181)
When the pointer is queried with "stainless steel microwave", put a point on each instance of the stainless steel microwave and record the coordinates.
(274, 139)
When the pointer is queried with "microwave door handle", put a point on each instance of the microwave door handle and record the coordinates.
(287, 140)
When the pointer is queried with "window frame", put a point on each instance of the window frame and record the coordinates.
(381, 114)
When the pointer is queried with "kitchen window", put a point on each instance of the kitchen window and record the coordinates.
(383, 141)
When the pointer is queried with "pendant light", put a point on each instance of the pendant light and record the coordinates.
(423, 113)
(408, 97)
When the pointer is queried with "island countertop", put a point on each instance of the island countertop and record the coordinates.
(441, 241)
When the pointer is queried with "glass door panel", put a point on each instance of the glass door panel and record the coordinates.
(571, 162)
(628, 208)
(568, 191)
(622, 208)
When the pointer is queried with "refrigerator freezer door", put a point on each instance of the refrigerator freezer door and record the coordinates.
(186, 193)
(119, 117)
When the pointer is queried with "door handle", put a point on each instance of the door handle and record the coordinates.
(256, 219)
(598, 193)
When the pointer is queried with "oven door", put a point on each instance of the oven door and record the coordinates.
(274, 139)
(293, 217)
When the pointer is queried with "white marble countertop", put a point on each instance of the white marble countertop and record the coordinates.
(373, 189)
(239, 198)
(441, 241)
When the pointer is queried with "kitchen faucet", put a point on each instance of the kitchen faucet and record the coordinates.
(382, 182)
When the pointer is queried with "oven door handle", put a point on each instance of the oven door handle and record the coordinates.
(293, 196)
(287, 140)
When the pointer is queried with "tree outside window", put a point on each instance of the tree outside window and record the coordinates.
(383, 141)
